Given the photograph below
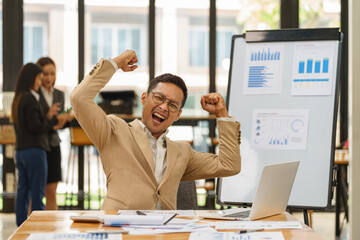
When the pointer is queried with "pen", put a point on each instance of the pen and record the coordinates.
(138, 212)
(249, 230)
(66, 111)
(170, 218)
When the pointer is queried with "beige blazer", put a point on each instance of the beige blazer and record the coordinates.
(127, 157)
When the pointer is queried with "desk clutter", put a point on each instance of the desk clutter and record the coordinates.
(149, 222)
(58, 225)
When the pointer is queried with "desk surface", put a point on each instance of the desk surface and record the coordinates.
(59, 221)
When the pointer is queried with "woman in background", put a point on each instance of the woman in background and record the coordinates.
(31, 124)
(52, 98)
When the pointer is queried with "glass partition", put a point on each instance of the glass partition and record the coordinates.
(51, 29)
(182, 47)
(236, 17)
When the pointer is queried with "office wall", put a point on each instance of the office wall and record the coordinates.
(354, 117)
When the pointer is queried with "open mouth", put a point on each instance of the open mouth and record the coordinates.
(158, 117)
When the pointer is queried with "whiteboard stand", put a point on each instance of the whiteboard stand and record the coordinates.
(283, 88)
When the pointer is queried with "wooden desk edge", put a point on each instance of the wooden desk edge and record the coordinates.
(55, 221)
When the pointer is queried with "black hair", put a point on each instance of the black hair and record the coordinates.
(170, 78)
(24, 83)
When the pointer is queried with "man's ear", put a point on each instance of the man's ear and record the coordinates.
(178, 115)
(143, 98)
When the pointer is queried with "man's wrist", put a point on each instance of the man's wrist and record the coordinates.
(223, 113)
(113, 63)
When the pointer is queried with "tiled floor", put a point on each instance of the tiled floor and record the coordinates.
(323, 223)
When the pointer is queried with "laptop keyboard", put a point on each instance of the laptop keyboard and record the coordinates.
(243, 214)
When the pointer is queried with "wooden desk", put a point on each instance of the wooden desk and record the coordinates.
(59, 221)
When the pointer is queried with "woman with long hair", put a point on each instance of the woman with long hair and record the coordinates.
(31, 124)
(51, 97)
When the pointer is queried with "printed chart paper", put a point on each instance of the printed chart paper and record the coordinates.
(312, 72)
(263, 69)
(285, 129)
(74, 236)
(267, 225)
(234, 236)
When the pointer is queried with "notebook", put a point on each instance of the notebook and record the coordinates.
(272, 194)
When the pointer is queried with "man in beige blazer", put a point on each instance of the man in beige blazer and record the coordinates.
(143, 167)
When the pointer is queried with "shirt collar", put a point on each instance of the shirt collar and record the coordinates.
(35, 94)
(44, 91)
(162, 136)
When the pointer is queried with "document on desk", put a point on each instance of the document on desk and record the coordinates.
(175, 226)
(74, 236)
(122, 219)
(180, 213)
(267, 225)
(203, 235)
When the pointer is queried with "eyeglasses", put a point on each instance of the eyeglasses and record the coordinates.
(160, 98)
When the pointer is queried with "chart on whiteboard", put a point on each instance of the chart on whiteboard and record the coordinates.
(312, 68)
(285, 129)
(263, 70)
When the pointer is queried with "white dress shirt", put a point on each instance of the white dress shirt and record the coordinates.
(49, 96)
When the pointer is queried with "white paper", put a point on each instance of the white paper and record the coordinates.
(180, 213)
(119, 220)
(263, 68)
(176, 223)
(146, 231)
(312, 72)
(75, 236)
(267, 225)
(285, 129)
(234, 236)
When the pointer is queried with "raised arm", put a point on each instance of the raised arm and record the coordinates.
(90, 116)
(228, 161)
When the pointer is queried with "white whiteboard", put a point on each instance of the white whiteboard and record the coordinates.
(284, 94)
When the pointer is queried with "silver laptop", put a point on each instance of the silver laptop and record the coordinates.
(271, 198)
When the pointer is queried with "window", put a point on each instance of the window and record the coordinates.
(109, 41)
(51, 29)
(236, 17)
(101, 43)
(319, 13)
(223, 47)
(199, 47)
(34, 42)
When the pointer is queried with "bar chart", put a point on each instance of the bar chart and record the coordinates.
(259, 76)
(317, 66)
(265, 55)
(263, 69)
(311, 69)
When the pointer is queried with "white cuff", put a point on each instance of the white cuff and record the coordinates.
(113, 63)
(227, 119)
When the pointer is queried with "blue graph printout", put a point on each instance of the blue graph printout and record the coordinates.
(285, 129)
(263, 70)
(312, 68)
(74, 236)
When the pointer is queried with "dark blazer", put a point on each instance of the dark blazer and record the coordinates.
(58, 97)
(32, 127)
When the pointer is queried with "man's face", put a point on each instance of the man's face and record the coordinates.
(158, 117)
